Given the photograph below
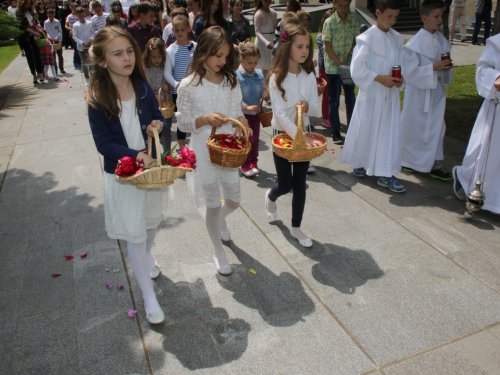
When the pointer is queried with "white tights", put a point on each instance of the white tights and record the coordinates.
(47, 71)
(216, 222)
(140, 257)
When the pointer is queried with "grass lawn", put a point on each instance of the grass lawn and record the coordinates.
(8, 52)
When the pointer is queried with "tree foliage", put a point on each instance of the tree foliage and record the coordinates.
(9, 26)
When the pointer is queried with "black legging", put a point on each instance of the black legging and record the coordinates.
(180, 134)
(32, 53)
(291, 176)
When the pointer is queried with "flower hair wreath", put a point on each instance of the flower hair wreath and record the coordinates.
(285, 37)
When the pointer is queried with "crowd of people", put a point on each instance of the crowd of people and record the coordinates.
(202, 59)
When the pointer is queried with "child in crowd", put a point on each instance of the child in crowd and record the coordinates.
(48, 61)
(88, 14)
(118, 15)
(154, 58)
(211, 15)
(123, 111)
(482, 158)
(70, 21)
(372, 145)
(112, 21)
(194, 7)
(207, 97)
(422, 119)
(99, 18)
(169, 34)
(143, 30)
(177, 67)
(264, 21)
(304, 18)
(292, 83)
(54, 34)
(253, 89)
(292, 7)
(133, 15)
(83, 33)
(238, 27)
(322, 74)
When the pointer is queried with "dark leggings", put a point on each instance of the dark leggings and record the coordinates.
(291, 176)
(32, 53)
(180, 134)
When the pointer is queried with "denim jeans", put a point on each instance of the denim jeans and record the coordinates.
(334, 86)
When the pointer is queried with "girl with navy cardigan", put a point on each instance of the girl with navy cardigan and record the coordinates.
(123, 111)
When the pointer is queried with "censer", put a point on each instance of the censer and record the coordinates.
(475, 198)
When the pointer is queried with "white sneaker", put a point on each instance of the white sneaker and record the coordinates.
(272, 216)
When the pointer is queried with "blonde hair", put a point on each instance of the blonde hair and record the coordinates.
(303, 15)
(248, 49)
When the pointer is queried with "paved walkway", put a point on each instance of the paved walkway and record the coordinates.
(394, 284)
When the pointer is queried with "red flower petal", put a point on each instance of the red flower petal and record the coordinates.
(83, 256)
(69, 257)
(56, 274)
(74, 123)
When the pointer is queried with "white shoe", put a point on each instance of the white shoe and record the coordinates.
(272, 216)
(155, 271)
(306, 242)
(155, 317)
(225, 235)
(224, 270)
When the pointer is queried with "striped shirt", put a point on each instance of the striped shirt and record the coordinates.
(71, 19)
(182, 58)
(98, 22)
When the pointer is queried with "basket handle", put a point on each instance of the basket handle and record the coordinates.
(298, 142)
(157, 144)
(245, 133)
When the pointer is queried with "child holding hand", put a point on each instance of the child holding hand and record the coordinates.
(291, 83)
(123, 111)
(206, 98)
(253, 89)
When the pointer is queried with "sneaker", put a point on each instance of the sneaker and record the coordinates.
(310, 169)
(326, 123)
(441, 174)
(359, 172)
(409, 170)
(457, 186)
(392, 183)
(337, 138)
(247, 171)
(254, 168)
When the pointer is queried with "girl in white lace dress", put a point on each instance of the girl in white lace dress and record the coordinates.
(123, 111)
(205, 98)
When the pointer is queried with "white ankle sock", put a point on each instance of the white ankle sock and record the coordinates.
(137, 255)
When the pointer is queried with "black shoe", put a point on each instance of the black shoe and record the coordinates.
(63, 72)
(441, 174)
(337, 138)
(409, 170)
(476, 43)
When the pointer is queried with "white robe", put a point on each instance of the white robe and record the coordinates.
(487, 71)
(372, 140)
(422, 118)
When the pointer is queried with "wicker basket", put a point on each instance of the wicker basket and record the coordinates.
(265, 118)
(166, 107)
(155, 177)
(299, 151)
(42, 42)
(57, 46)
(321, 89)
(227, 157)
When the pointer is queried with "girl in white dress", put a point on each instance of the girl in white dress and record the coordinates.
(123, 111)
(292, 82)
(206, 97)
(264, 22)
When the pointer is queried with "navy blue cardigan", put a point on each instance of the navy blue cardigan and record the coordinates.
(108, 134)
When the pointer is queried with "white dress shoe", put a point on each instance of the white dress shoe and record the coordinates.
(155, 317)
(271, 216)
(225, 235)
(306, 242)
(155, 271)
(224, 270)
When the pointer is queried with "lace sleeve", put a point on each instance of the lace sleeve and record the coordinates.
(185, 108)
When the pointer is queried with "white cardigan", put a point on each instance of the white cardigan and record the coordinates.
(170, 63)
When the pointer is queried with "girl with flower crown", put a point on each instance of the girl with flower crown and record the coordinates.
(291, 83)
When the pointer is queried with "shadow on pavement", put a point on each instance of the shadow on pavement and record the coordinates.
(197, 333)
(280, 299)
(18, 95)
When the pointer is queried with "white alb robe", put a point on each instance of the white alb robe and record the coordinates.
(422, 118)
(487, 71)
(373, 139)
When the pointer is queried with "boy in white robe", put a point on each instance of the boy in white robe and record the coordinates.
(482, 162)
(372, 146)
(422, 119)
